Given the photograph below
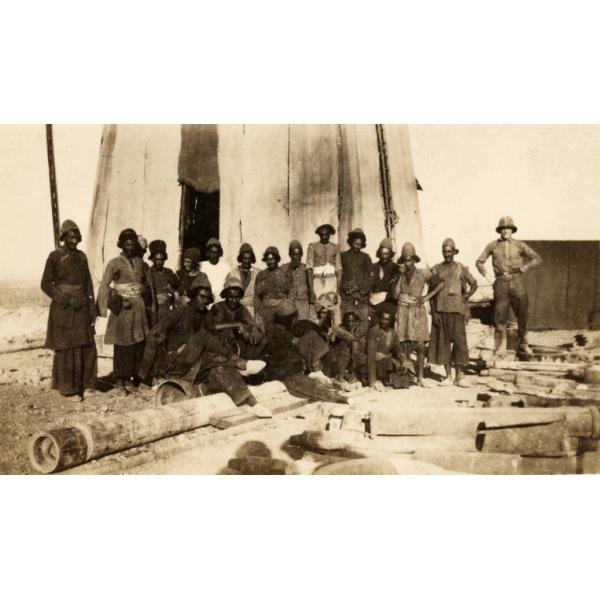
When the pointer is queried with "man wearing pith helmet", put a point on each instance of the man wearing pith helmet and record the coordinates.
(511, 258)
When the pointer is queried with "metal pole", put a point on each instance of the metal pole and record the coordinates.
(53, 190)
(384, 175)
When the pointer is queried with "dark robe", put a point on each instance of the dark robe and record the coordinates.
(67, 281)
(356, 269)
(170, 334)
(163, 284)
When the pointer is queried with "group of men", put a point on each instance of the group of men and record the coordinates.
(338, 316)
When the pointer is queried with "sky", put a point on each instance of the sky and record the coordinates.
(546, 177)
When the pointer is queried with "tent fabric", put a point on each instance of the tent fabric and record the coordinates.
(275, 182)
(405, 198)
(564, 291)
(136, 187)
(253, 162)
(361, 204)
(313, 178)
(198, 163)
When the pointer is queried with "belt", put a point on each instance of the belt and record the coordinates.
(76, 291)
(163, 298)
(508, 275)
(129, 290)
(324, 271)
(407, 300)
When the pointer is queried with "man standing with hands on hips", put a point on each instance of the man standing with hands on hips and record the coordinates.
(510, 260)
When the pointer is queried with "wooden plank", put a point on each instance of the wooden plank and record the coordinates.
(238, 416)
(547, 367)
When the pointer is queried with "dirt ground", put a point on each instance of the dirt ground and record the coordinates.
(26, 408)
(27, 404)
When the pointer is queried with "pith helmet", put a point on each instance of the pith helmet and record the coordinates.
(506, 223)
(232, 283)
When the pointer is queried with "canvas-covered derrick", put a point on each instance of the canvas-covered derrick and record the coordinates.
(274, 183)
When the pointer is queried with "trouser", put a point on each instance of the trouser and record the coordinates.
(155, 359)
(127, 360)
(448, 342)
(227, 380)
(510, 291)
(337, 360)
(74, 369)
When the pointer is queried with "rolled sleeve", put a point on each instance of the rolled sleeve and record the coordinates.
(534, 258)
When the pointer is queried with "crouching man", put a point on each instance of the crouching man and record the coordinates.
(184, 346)
(386, 364)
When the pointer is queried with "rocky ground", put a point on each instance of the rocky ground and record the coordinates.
(27, 404)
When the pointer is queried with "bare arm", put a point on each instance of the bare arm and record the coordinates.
(470, 281)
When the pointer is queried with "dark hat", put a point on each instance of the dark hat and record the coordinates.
(201, 282)
(386, 243)
(449, 242)
(408, 250)
(127, 234)
(231, 283)
(357, 233)
(67, 226)
(327, 226)
(157, 247)
(506, 223)
(272, 250)
(246, 248)
(295, 244)
(193, 254)
(213, 242)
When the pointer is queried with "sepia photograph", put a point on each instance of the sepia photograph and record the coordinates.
(300, 299)
(318, 238)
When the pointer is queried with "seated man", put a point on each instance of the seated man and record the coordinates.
(312, 339)
(348, 348)
(206, 360)
(183, 345)
(386, 365)
(279, 351)
(173, 331)
(234, 325)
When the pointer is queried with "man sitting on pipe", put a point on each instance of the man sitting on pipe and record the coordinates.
(202, 358)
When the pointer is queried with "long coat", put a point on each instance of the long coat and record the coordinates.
(67, 276)
(130, 326)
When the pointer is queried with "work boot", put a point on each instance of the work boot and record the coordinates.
(524, 349)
